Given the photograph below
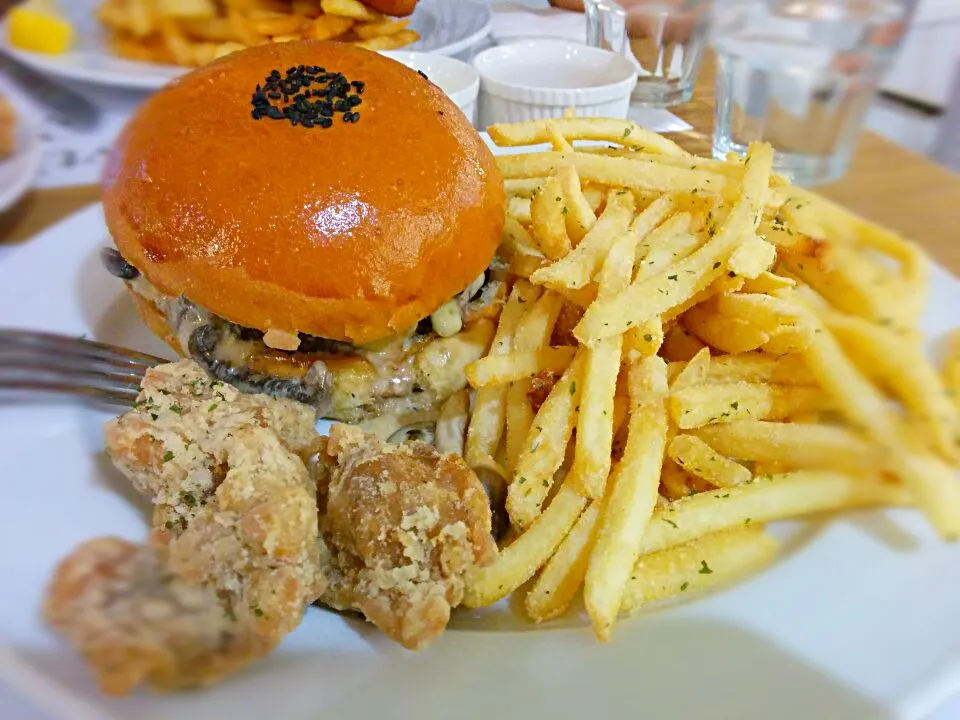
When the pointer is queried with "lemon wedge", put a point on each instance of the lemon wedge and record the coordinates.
(38, 26)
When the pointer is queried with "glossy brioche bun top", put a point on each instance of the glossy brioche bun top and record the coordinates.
(352, 233)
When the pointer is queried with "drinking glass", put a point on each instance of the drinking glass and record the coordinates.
(800, 74)
(665, 37)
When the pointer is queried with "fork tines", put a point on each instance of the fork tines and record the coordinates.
(35, 361)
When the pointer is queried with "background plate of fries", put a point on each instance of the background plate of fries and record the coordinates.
(146, 43)
(715, 401)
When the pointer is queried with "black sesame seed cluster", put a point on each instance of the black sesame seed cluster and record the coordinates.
(309, 96)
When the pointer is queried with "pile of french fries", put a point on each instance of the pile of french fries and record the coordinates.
(196, 32)
(722, 350)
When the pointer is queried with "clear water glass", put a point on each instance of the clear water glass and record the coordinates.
(800, 74)
(665, 37)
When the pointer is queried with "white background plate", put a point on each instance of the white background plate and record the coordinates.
(18, 171)
(445, 26)
(859, 620)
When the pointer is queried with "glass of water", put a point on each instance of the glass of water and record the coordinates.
(665, 37)
(800, 74)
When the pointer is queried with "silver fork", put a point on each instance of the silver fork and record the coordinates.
(45, 362)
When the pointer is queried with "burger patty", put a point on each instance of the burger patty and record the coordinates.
(398, 376)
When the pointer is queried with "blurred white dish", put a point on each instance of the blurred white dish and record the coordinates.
(534, 79)
(18, 171)
(446, 27)
(457, 79)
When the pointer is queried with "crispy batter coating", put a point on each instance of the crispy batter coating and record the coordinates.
(235, 522)
(173, 445)
(255, 540)
(402, 526)
(134, 621)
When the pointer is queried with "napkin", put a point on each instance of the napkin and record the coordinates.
(513, 21)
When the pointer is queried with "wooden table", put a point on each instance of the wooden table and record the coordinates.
(886, 183)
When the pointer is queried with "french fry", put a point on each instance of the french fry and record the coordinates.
(328, 27)
(723, 284)
(520, 560)
(390, 42)
(794, 445)
(951, 369)
(523, 187)
(694, 372)
(581, 265)
(680, 345)
(631, 499)
(765, 499)
(703, 563)
(556, 138)
(563, 575)
(545, 448)
(768, 283)
(383, 28)
(936, 488)
(615, 172)
(533, 331)
(915, 267)
(764, 312)
(309, 8)
(668, 244)
(286, 24)
(655, 295)
(902, 366)
(643, 341)
(701, 460)
(513, 366)
(591, 464)
(351, 9)
(207, 29)
(760, 368)
(580, 212)
(547, 212)
(674, 481)
(624, 132)
(521, 209)
(725, 402)
(181, 9)
(754, 257)
(489, 411)
(725, 333)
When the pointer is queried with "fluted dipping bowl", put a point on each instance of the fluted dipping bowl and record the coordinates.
(536, 79)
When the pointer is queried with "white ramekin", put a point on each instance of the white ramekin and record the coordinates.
(535, 79)
(457, 79)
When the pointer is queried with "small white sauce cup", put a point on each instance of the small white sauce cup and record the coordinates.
(457, 79)
(536, 79)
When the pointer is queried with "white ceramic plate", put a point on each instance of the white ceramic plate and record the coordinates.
(860, 619)
(18, 171)
(446, 27)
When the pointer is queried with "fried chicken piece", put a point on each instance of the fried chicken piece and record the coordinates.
(134, 621)
(255, 540)
(235, 523)
(402, 525)
(174, 443)
(215, 590)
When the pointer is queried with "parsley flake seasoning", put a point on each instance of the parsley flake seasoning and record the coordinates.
(308, 96)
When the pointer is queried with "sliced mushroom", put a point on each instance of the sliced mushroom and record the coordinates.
(312, 389)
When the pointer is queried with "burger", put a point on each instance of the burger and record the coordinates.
(311, 220)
